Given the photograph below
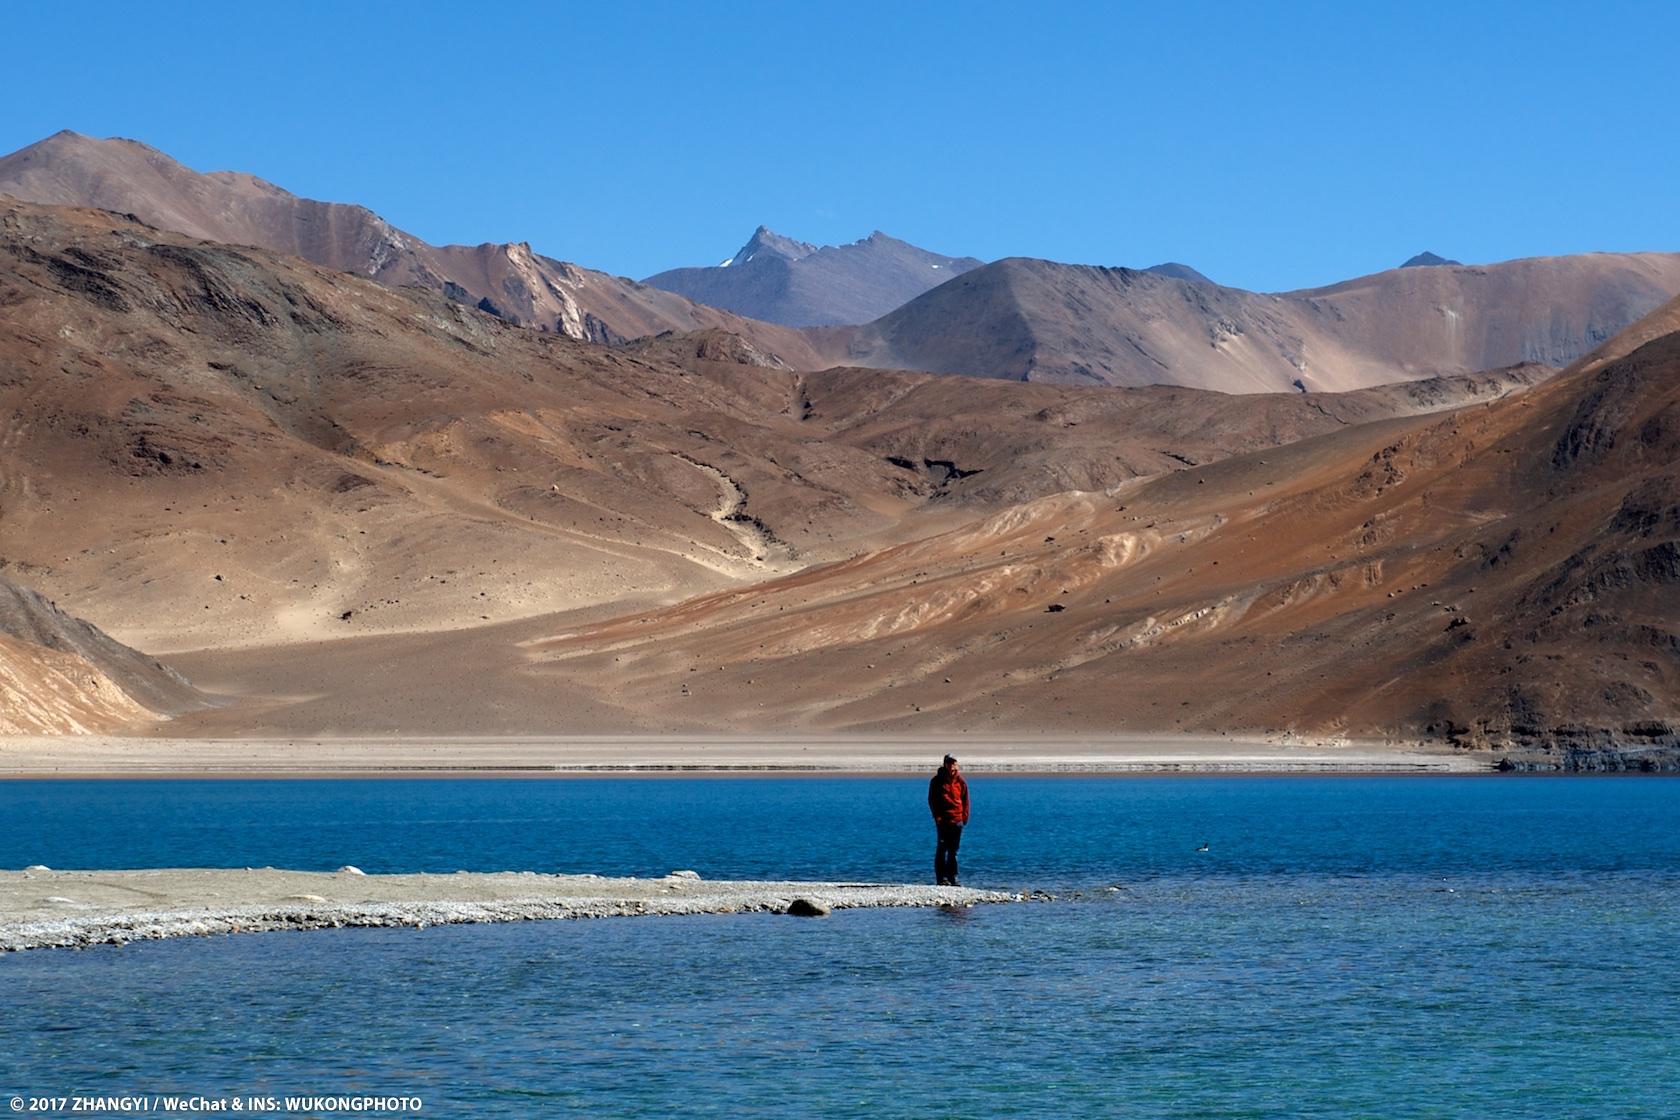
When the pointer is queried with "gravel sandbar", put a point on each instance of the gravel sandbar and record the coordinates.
(42, 908)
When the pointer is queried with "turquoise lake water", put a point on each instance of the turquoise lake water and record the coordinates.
(1383, 947)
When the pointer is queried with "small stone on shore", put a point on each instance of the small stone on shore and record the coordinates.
(351, 869)
(808, 908)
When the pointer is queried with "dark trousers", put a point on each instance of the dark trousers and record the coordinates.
(945, 852)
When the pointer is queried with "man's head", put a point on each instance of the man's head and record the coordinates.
(950, 762)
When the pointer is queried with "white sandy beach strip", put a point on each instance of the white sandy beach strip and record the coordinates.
(105, 756)
(41, 908)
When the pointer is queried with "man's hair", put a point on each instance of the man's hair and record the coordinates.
(950, 758)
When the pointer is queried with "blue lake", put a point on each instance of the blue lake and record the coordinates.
(1385, 947)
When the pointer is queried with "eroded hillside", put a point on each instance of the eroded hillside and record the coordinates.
(1503, 574)
(210, 446)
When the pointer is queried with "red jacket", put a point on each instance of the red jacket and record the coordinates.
(948, 797)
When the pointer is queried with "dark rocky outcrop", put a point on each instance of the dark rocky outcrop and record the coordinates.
(1641, 748)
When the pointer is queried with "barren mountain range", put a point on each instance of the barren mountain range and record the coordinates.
(1505, 573)
(781, 280)
(509, 280)
(220, 449)
(1034, 320)
(1015, 319)
(326, 478)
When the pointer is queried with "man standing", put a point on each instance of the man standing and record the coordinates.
(948, 800)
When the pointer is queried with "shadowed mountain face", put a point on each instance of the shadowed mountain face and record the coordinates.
(1024, 319)
(59, 674)
(205, 447)
(781, 280)
(1503, 574)
(509, 281)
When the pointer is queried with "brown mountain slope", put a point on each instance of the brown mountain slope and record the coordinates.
(60, 675)
(1024, 319)
(1664, 320)
(1015, 319)
(1503, 574)
(211, 448)
(509, 280)
(999, 443)
(204, 445)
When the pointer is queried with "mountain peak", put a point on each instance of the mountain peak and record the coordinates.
(766, 242)
(65, 140)
(797, 284)
(69, 137)
(1178, 272)
(1427, 259)
(233, 207)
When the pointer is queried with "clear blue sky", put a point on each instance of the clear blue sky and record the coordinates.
(1272, 146)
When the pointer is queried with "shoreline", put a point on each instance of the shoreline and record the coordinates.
(89, 757)
(41, 908)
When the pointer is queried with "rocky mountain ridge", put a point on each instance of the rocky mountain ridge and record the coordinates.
(1034, 320)
(511, 280)
(781, 280)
